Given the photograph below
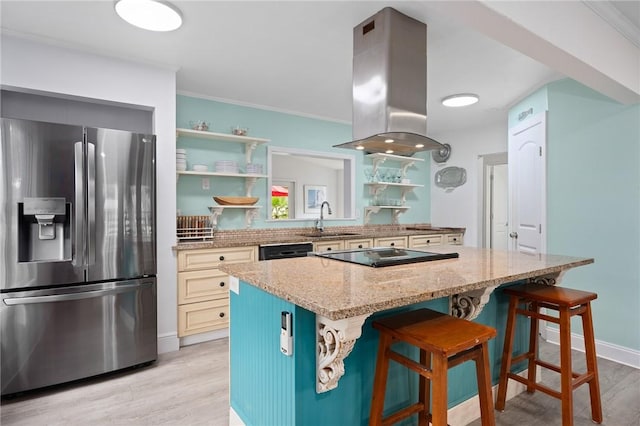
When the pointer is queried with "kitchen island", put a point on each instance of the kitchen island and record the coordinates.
(327, 380)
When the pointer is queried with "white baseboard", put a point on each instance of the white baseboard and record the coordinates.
(204, 337)
(234, 418)
(168, 342)
(610, 351)
(469, 410)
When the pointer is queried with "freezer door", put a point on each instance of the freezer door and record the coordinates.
(121, 204)
(56, 336)
(39, 170)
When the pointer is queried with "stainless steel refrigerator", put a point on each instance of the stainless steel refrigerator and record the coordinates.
(78, 252)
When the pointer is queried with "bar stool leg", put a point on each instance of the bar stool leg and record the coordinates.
(566, 377)
(533, 348)
(380, 380)
(484, 386)
(425, 389)
(439, 391)
(507, 349)
(592, 365)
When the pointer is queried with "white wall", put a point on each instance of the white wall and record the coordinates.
(460, 207)
(42, 68)
(308, 173)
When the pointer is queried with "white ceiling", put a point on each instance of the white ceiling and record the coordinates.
(290, 56)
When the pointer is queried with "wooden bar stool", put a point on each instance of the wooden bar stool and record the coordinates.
(444, 342)
(568, 303)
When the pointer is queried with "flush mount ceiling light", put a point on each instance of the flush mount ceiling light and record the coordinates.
(460, 100)
(152, 15)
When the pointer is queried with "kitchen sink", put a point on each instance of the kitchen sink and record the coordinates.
(328, 234)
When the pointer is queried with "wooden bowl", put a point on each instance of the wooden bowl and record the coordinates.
(236, 201)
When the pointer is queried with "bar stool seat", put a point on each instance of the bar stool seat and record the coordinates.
(568, 303)
(444, 342)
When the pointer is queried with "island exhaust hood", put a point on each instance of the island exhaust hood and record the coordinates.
(390, 85)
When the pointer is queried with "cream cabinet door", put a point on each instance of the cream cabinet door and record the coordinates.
(202, 316)
(358, 244)
(198, 286)
(203, 290)
(454, 239)
(189, 260)
(423, 241)
(328, 246)
(400, 242)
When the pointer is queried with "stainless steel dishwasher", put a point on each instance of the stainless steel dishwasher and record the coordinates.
(284, 251)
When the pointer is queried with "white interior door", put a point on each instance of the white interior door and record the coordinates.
(499, 207)
(491, 193)
(527, 185)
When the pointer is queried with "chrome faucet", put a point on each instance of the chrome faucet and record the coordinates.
(320, 222)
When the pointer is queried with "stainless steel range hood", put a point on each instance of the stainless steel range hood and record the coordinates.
(390, 85)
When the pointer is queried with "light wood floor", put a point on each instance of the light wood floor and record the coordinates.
(190, 387)
(186, 387)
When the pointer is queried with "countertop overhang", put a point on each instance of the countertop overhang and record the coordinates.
(338, 290)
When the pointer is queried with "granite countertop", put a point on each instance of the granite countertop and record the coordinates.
(243, 238)
(338, 290)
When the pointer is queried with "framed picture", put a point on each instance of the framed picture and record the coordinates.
(314, 195)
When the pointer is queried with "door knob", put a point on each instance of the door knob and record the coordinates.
(513, 235)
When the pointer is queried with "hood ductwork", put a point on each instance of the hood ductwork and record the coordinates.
(390, 85)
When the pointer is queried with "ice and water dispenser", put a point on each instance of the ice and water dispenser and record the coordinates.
(44, 230)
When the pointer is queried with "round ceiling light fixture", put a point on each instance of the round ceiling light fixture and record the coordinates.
(152, 15)
(460, 100)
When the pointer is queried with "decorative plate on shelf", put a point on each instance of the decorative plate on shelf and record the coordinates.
(236, 201)
(450, 177)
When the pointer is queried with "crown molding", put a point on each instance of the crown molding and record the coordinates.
(614, 17)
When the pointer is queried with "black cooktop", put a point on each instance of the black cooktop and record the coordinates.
(385, 256)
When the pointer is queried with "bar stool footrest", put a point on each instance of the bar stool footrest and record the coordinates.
(537, 386)
(527, 355)
(403, 414)
(555, 368)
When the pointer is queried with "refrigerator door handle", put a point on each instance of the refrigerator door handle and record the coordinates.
(74, 296)
(91, 200)
(78, 220)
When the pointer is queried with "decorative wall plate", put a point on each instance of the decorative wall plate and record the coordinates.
(441, 155)
(450, 177)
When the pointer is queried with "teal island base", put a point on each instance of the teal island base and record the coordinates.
(269, 388)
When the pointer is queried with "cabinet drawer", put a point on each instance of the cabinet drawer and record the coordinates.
(198, 286)
(190, 260)
(358, 244)
(419, 241)
(328, 246)
(202, 317)
(390, 242)
(455, 239)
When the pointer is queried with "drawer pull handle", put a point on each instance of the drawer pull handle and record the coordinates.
(455, 239)
(428, 241)
(392, 244)
(221, 314)
(221, 257)
(221, 283)
(359, 245)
